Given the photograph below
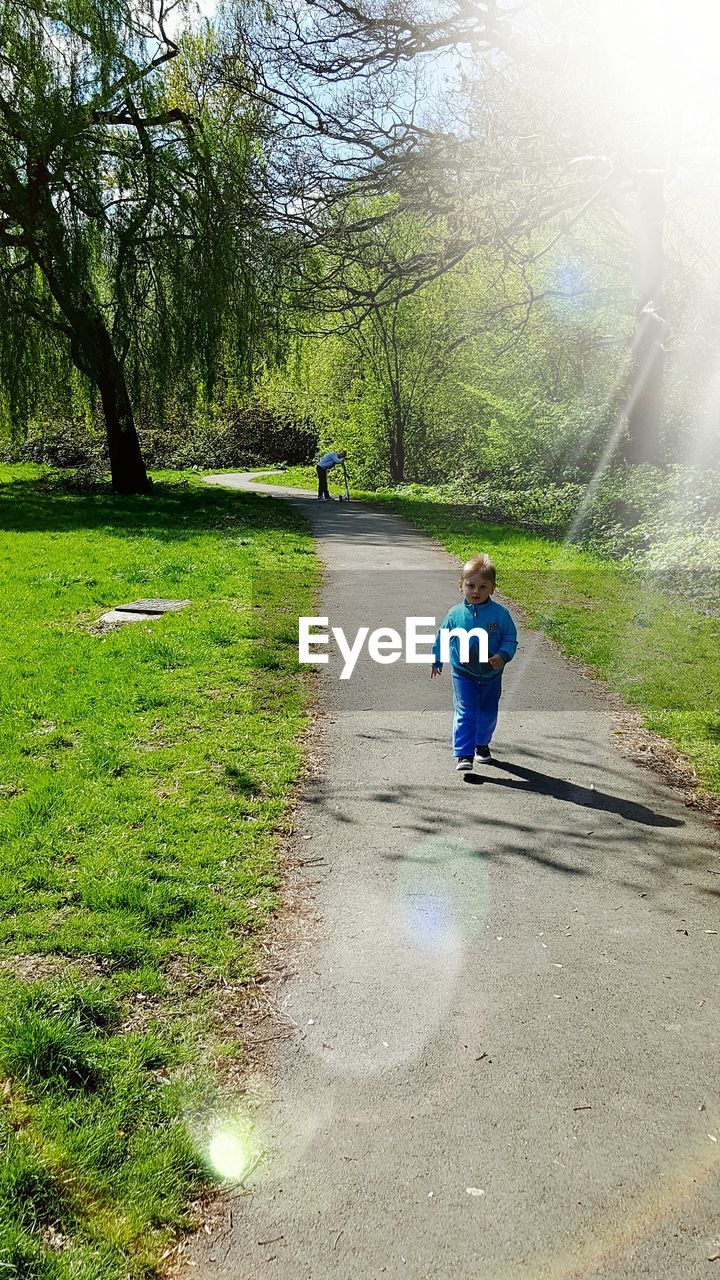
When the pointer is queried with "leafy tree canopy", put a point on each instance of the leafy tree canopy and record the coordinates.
(127, 212)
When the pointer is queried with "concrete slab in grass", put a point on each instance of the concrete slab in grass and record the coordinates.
(141, 611)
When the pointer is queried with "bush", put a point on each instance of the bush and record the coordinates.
(657, 521)
(60, 442)
(542, 509)
(205, 437)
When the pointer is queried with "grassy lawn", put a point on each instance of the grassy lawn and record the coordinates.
(144, 778)
(305, 478)
(659, 653)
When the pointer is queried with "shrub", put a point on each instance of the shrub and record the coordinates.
(202, 436)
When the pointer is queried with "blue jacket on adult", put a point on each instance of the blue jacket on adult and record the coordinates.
(330, 460)
(501, 633)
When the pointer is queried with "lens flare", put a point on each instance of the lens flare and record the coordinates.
(234, 1151)
(443, 894)
(430, 922)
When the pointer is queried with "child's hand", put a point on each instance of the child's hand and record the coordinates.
(435, 671)
(496, 662)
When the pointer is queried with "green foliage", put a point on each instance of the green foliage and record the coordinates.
(214, 435)
(514, 411)
(127, 206)
(461, 376)
(226, 435)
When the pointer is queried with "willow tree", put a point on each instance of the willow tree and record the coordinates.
(123, 210)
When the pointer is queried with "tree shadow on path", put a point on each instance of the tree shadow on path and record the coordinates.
(545, 784)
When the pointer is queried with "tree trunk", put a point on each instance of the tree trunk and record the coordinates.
(397, 449)
(90, 341)
(127, 467)
(645, 401)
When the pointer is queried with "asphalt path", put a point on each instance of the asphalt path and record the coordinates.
(505, 1061)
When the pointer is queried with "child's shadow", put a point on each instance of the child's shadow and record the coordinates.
(545, 785)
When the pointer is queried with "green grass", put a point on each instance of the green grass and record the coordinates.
(655, 650)
(304, 478)
(144, 780)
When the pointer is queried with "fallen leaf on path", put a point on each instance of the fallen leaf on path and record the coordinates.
(712, 1137)
(475, 1191)
(714, 1257)
(587, 1108)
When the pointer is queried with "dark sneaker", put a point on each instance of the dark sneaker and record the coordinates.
(464, 764)
(482, 755)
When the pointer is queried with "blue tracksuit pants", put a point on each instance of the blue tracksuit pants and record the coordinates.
(476, 712)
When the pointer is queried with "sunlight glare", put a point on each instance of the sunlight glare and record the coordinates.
(234, 1152)
(663, 59)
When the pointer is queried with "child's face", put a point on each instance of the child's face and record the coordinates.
(477, 588)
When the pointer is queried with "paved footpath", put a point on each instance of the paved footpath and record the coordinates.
(507, 1059)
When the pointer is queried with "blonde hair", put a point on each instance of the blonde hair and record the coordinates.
(480, 563)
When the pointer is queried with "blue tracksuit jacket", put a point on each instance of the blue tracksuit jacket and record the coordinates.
(502, 638)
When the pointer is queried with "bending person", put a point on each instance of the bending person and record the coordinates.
(326, 463)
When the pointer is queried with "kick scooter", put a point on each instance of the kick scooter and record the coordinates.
(344, 497)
